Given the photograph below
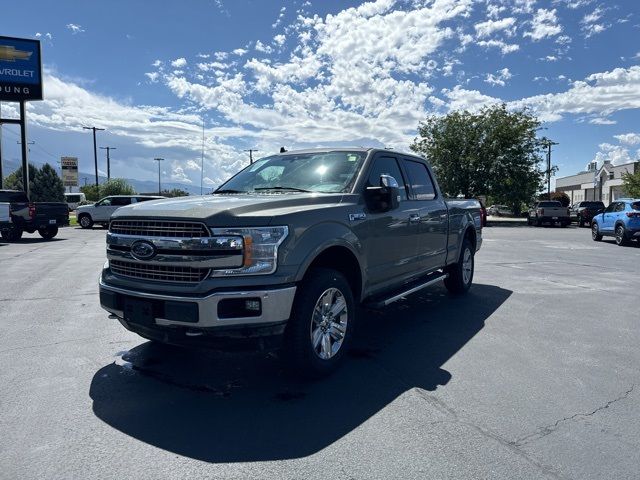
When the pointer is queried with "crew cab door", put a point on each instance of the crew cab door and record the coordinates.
(391, 237)
(433, 224)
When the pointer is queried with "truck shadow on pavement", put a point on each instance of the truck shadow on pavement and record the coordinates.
(241, 408)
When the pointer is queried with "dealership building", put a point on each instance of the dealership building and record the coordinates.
(603, 184)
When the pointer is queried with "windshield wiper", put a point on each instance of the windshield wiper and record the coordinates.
(291, 189)
(229, 190)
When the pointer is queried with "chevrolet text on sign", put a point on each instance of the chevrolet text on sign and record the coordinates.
(20, 69)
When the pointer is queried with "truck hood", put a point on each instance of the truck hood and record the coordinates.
(230, 210)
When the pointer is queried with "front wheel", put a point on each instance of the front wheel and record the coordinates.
(461, 273)
(85, 221)
(321, 326)
(48, 232)
(595, 232)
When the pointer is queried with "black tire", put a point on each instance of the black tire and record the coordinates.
(460, 278)
(580, 223)
(301, 357)
(595, 232)
(85, 221)
(528, 220)
(621, 236)
(48, 232)
(12, 235)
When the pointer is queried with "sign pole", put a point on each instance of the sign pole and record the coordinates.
(24, 147)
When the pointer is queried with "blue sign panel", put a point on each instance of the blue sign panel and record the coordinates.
(20, 69)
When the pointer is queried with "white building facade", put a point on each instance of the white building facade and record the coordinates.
(604, 184)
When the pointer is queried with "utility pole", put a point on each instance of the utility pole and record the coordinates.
(202, 160)
(95, 149)
(158, 159)
(548, 143)
(108, 149)
(85, 181)
(28, 143)
(251, 150)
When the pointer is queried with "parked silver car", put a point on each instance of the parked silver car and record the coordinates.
(100, 212)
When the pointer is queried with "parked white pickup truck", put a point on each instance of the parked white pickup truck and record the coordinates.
(549, 211)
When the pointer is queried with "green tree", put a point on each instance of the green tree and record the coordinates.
(13, 181)
(631, 184)
(115, 186)
(91, 192)
(175, 192)
(47, 185)
(492, 152)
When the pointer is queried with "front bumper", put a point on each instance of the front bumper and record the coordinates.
(198, 315)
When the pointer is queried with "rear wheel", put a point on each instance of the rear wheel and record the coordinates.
(461, 273)
(595, 232)
(621, 236)
(321, 326)
(48, 232)
(85, 221)
(12, 235)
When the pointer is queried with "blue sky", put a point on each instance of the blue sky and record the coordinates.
(262, 74)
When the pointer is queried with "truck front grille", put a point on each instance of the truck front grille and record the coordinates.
(160, 273)
(148, 228)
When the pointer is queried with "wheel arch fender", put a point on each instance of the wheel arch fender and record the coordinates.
(326, 240)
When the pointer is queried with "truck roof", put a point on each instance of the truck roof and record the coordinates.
(347, 149)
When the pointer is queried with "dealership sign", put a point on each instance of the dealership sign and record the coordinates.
(20, 69)
(69, 171)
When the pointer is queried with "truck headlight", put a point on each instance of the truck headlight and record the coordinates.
(260, 249)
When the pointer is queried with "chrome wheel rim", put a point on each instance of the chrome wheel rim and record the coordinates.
(619, 235)
(329, 323)
(84, 221)
(467, 266)
(594, 230)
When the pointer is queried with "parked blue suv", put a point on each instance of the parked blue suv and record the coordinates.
(621, 219)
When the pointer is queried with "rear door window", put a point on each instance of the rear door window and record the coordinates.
(620, 207)
(635, 205)
(422, 187)
(120, 201)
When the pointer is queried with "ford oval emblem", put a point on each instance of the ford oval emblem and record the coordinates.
(143, 250)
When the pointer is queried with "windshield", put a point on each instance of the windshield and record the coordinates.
(327, 172)
(73, 198)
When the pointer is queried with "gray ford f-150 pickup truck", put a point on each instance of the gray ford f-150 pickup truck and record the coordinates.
(286, 251)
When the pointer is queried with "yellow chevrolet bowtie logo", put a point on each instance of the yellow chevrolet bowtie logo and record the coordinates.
(10, 54)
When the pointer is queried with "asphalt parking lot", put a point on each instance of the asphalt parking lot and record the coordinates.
(534, 374)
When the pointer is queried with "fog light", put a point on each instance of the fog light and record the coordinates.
(252, 305)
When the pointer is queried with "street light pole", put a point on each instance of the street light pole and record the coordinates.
(95, 149)
(548, 143)
(158, 159)
(108, 149)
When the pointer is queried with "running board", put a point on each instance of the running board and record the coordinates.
(408, 290)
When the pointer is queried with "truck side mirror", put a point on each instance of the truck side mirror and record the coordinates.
(384, 198)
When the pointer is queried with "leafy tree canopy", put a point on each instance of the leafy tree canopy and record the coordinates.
(175, 192)
(492, 152)
(115, 186)
(44, 183)
(631, 184)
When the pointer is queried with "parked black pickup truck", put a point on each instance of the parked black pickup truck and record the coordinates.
(43, 217)
(287, 250)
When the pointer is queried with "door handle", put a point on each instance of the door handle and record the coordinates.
(414, 218)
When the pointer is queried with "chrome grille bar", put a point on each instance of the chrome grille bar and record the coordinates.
(159, 273)
(161, 228)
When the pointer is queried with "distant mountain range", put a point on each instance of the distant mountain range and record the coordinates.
(140, 186)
